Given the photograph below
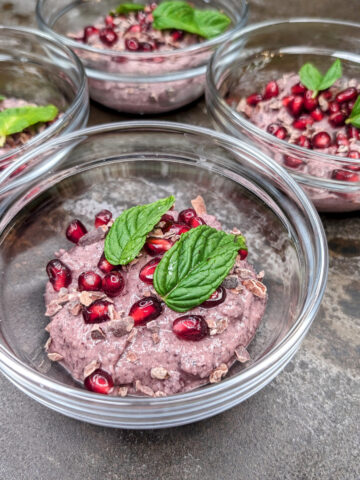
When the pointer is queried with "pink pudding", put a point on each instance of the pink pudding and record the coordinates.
(113, 332)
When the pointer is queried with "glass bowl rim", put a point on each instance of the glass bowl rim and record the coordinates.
(243, 11)
(287, 344)
(76, 103)
(230, 112)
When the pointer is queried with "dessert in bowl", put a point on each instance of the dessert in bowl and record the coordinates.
(255, 91)
(43, 91)
(116, 168)
(133, 66)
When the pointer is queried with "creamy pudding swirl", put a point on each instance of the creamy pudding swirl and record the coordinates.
(154, 303)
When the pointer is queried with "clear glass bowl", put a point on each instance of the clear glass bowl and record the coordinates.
(137, 82)
(265, 52)
(119, 165)
(36, 68)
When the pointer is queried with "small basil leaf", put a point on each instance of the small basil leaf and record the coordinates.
(182, 16)
(356, 108)
(15, 120)
(128, 233)
(310, 76)
(125, 8)
(330, 77)
(355, 120)
(195, 266)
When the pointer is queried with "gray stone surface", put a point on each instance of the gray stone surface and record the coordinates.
(303, 426)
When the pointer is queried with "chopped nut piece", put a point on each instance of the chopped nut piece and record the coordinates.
(123, 391)
(199, 205)
(132, 335)
(55, 357)
(260, 275)
(155, 337)
(159, 393)
(220, 326)
(242, 354)
(92, 236)
(157, 232)
(75, 308)
(211, 323)
(139, 387)
(131, 357)
(230, 281)
(87, 298)
(91, 367)
(255, 287)
(147, 293)
(235, 231)
(160, 373)
(47, 344)
(111, 311)
(97, 333)
(218, 373)
(152, 325)
(52, 308)
(63, 291)
(47, 328)
(244, 273)
(119, 327)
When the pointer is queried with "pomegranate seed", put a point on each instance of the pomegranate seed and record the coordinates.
(310, 103)
(298, 89)
(341, 139)
(134, 29)
(104, 265)
(176, 228)
(108, 36)
(146, 47)
(146, 274)
(102, 218)
(337, 119)
(186, 215)
(352, 132)
(75, 231)
(303, 141)
(344, 109)
(351, 104)
(59, 274)
(113, 284)
(167, 218)
(243, 253)
(326, 94)
(321, 140)
(141, 17)
(254, 99)
(196, 222)
(148, 308)
(157, 246)
(109, 21)
(149, 18)
(317, 115)
(89, 31)
(302, 122)
(354, 154)
(177, 35)
(89, 281)
(216, 298)
(346, 95)
(132, 44)
(99, 381)
(293, 162)
(96, 312)
(190, 327)
(344, 176)
(334, 107)
(296, 106)
(287, 100)
(271, 90)
(277, 130)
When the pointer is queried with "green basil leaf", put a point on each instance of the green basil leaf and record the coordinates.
(330, 77)
(355, 120)
(182, 16)
(356, 108)
(128, 233)
(310, 77)
(2, 98)
(195, 266)
(125, 8)
(15, 120)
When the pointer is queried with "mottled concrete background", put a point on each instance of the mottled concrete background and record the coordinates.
(304, 425)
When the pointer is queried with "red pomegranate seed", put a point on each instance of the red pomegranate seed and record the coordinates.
(89, 31)
(108, 36)
(271, 90)
(132, 44)
(157, 246)
(287, 100)
(104, 265)
(146, 274)
(341, 139)
(177, 35)
(109, 21)
(102, 218)
(310, 103)
(186, 215)
(303, 141)
(302, 122)
(113, 284)
(215, 299)
(75, 231)
(196, 222)
(96, 312)
(277, 130)
(317, 115)
(99, 381)
(296, 106)
(243, 253)
(190, 327)
(146, 47)
(89, 281)
(354, 154)
(346, 95)
(321, 140)
(352, 132)
(176, 228)
(134, 29)
(344, 176)
(351, 104)
(334, 107)
(148, 308)
(298, 89)
(167, 218)
(254, 99)
(293, 162)
(59, 274)
(326, 94)
(337, 119)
